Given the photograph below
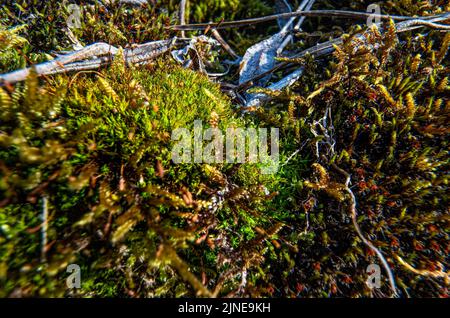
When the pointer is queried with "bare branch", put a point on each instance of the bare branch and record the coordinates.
(91, 57)
(313, 13)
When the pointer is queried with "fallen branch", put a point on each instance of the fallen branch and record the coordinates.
(91, 57)
(312, 13)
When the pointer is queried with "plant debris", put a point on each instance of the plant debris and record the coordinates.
(89, 104)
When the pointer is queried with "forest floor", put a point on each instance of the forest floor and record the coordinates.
(116, 124)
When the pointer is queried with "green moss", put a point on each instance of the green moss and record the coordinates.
(98, 146)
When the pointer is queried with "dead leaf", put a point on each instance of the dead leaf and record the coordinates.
(260, 58)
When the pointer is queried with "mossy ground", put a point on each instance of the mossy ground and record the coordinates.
(96, 146)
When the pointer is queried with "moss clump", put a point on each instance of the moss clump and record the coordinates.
(97, 147)
(389, 106)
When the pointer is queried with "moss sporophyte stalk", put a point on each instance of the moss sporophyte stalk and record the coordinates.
(135, 166)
